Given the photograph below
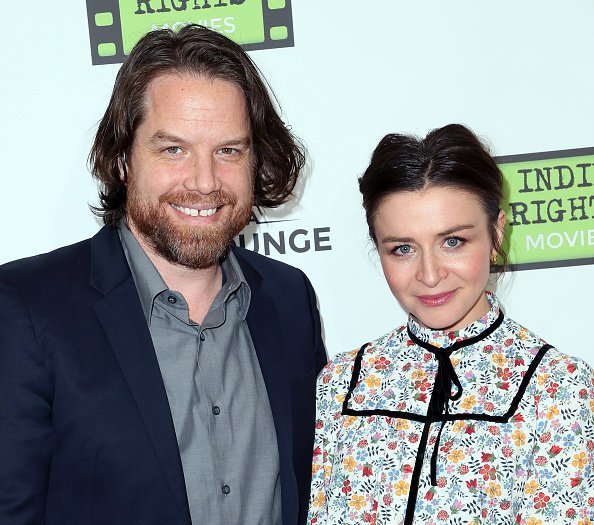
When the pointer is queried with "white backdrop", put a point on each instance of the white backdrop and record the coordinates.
(518, 73)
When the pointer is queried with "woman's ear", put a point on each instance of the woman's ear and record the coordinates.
(499, 231)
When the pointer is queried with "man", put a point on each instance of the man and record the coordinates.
(151, 374)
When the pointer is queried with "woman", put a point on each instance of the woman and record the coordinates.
(462, 416)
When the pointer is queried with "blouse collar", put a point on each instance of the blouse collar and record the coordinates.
(452, 340)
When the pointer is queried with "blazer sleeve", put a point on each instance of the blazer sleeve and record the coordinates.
(320, 357)
(25, 413)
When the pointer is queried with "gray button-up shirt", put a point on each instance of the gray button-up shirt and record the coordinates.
(218, 400)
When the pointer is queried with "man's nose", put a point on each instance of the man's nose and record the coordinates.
(202, 176)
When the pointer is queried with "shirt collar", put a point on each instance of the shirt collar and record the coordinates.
(445, 339)
(150, 284)
(147, 278)
(234, 281)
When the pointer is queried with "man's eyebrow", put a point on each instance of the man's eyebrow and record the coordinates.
(161, 137)
(240, 141)
(449, 231)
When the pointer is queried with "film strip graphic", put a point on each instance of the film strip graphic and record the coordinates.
(116, 25)
(550, 208)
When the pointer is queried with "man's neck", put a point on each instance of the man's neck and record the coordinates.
(198, 286)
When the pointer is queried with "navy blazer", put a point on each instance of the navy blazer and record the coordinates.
(86, 434)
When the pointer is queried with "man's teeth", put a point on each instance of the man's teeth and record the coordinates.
(195, 213)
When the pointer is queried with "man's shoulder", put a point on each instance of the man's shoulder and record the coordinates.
(54, 259)
(62, 263)
(261, 263)
(276, 277)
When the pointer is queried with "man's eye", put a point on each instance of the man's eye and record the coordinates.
(228, 151)
(173, 150)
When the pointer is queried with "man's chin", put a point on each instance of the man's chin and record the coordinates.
(194, 246)
(192, 249)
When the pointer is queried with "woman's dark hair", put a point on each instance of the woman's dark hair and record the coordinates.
(194, 50)
(452, 156)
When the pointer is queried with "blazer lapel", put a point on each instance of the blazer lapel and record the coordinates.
(120, 313)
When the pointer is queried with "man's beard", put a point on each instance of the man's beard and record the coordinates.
(194, 247)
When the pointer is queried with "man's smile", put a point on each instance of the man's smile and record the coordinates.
(194, 212)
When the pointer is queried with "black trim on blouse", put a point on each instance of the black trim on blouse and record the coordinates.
(463, 342)
(438, 410)
(347, 411)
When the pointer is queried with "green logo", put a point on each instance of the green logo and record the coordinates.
(116, 25)
(550, 212)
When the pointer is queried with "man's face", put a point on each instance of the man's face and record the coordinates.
(190, 184)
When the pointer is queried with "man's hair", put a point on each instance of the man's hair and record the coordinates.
(193, 50)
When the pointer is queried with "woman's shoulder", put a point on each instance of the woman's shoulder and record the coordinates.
(553, 366)
(526, 340)
(344, 362)
(559, 366)
(523, 338)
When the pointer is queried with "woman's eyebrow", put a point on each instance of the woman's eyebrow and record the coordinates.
(391, 238)
(449, 231)
(455, 229)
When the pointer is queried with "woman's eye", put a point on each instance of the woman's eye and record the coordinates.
(404, 249)
(454, 242)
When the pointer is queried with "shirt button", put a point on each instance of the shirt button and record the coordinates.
(172, 299)
(216, 410)
(226, 489)
(202, 336)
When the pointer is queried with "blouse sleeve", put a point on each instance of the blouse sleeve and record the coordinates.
(560, 484)
(330, 392)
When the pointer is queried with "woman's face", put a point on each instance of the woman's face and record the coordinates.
(435, 248)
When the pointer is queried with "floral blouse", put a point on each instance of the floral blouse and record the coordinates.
(487, 425)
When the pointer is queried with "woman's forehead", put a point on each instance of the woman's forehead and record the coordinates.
(434, 210)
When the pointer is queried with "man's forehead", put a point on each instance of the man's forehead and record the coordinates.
(185, 92)
(175, 99)
(172, 77)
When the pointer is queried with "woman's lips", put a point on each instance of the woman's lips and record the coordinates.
(436, 300)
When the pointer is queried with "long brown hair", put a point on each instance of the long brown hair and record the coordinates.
(195, 50)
